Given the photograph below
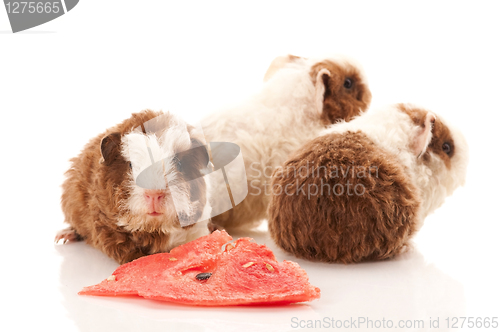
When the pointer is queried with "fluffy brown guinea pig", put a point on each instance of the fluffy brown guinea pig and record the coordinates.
(104, 204)
(299, 99)
(362, 189)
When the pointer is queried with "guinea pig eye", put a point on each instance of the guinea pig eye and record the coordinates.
(348, 83)
(447, 148)
(130, 164)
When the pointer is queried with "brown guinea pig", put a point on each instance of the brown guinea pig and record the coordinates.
(299, 99)
(106, 205)
(362, 189)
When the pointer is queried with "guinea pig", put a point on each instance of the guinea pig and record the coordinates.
(362, 189)
(105, 205)
(299, 99)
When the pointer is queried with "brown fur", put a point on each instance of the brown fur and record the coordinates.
(342, 228)
(93, 193)
(440, 134)
(339, 102)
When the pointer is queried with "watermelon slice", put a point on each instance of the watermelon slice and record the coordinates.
(204, 272)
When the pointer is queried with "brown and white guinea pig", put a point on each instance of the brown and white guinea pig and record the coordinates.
(362, 189)
(104, 205)
(299, 99)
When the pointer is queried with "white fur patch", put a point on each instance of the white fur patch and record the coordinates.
(157, 147)
(182, 236)
(152, 156)
(387, 127)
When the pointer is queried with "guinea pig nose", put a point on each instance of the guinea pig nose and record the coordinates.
(154, 196)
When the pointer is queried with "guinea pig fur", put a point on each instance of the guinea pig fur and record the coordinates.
(104, 205)
(362, 189)
(299, 99)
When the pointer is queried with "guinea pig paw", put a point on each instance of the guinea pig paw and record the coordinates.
(67, 235)
(213, 227)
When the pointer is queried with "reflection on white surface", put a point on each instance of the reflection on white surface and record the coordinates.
(406, 288)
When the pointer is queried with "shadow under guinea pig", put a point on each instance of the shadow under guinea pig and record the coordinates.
(403, 288)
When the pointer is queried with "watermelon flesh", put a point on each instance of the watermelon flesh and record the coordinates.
(242, 273)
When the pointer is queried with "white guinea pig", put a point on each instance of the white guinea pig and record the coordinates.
(362, 189)
(299, 99)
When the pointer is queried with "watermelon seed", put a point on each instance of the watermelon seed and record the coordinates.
(248, 264)
(269, 267)
(172, 259)
(203, 276)
(112, 278)
(227, 246)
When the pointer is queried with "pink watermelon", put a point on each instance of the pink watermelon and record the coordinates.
(201, 273)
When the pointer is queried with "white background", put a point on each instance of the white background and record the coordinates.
(66, 81)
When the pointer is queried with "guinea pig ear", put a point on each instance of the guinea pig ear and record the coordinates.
(110, 148)
(196, 144)
(278, 63)
(424, 135)
(321, 87)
